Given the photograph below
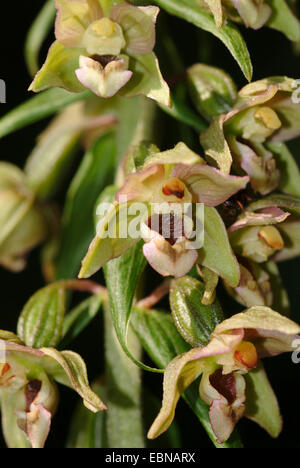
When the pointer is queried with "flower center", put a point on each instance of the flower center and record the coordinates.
(268, 117)
(104, 27)
(224, 384)
(246, 354)
(174, 187)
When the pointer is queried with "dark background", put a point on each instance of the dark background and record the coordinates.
(271, 54)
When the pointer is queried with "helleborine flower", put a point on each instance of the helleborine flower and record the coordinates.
(263, 111)
(255, 14)
(104, 51)
(28, 391)
(163, 186)
(255, 236)
(22, 222)
(233, 351)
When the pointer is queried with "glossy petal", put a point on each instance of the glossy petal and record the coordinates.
(138, 24)
(211, 186)
(104, 82)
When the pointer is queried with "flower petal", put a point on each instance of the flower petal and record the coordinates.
(261, 402)
(73, 18)
(169, 260)
(138, 24)
(271, 332)
(104, 82)
(59, 70)
(264, 176)
(266, 216)
(211, 186)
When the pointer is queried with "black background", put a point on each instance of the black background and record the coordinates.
(272, 54)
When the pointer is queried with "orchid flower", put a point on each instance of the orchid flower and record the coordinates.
(104, 49)
(28, 391)
(166, 183)
(254, 14)
(233, 351)
(263, 111)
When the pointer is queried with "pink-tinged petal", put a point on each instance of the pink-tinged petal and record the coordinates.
(225, 412)
(104, 82)
(169, 260)
(140, 185)
(270, 332)
(266, 216)
(264, 176)
(211, 186)
(73, 18)
(138, 24)
(38, 423)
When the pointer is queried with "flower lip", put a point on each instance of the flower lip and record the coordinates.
(103, 59)
(168, 225)
(31, 391)
(224, 384)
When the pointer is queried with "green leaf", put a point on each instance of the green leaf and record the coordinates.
(79, 318)
(36, 35)
(37, 108)
(212, 90)
(289, 172)
(216, 253)
(51, 158)
(284, 20)
(41, 320)
(122, 276)
(95, 171)
(194, 320)
(261, 402)
(180, 111)
(228, 34)
(136, 116)
(147, 79)
(87, 429)
(161, 340)
(59, 70)
(124, 418)
(107, 244)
